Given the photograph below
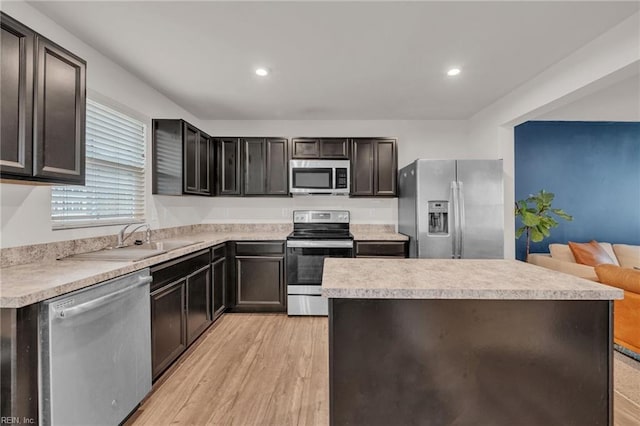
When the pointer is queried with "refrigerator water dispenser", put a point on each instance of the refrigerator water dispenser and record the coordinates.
(438, 217)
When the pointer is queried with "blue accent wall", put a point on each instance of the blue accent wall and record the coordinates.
(593, 168)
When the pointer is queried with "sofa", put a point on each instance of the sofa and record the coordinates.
(561, 259)
(626, 322)
(621, 269)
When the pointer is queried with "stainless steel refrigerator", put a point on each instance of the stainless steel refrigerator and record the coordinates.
(452, 209)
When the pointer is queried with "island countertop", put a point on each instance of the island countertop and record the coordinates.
(495, 279)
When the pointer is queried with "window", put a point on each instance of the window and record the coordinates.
(114, 185)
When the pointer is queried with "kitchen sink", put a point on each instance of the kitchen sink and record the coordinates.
(133, 253)
(161, 245)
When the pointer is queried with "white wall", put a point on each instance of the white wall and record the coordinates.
(607, 60)
(24, 209)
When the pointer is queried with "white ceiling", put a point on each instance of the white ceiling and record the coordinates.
(336, 60)
(617, 102)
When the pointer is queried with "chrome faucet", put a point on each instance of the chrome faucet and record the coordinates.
(122, 237)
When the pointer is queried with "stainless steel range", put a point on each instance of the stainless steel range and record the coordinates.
(316, 234)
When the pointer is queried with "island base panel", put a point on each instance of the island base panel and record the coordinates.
(470, 362)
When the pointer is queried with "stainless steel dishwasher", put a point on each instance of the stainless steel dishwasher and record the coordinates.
(95, 354)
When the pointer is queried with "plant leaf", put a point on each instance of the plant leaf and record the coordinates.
(530, 219)
(520, 231)
(547, 197)
(562, 214)
(536, 236)
(544, 230)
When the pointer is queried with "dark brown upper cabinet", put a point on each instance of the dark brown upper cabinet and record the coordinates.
(374, 167)
(43, 108)
(320, 148)
(183, 159)
(264, 166)
(16, 104)
(198, 162)
(229, 167)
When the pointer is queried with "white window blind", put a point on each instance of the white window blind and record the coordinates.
(114, 184)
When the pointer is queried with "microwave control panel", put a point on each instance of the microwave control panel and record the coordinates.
(341, 178)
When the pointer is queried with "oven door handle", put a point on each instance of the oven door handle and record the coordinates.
(319, 244)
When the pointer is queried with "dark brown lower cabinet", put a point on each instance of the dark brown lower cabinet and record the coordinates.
(258, 277)
(19, 367)
(180, 307)
(219, 285)
(382, 249)
(168, 317)
(198, 306)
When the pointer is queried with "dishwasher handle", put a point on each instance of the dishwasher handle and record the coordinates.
(96, 303)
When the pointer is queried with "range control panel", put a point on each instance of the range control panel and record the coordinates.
(321, 216)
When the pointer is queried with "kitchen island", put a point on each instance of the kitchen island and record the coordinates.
(440, 342)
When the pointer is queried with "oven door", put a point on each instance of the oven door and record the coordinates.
(305, 259)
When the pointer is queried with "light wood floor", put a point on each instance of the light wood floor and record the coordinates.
(249, 369)
(254, 369)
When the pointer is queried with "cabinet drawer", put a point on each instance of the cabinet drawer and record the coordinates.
(265, 248)
(178, 268)
(381, 248)
(218, 252)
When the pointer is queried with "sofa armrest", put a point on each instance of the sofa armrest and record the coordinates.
(576, 269)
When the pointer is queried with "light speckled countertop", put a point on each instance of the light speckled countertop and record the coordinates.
(455, 279)
(22, 285)
(378, 236)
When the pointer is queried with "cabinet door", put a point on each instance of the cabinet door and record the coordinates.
(277, 182)
(191, 164)
(168, 325)
(205, 162)
(302, 148)
(219, 285)
(198, 302)
(254, 166)
(260, 284)
(334, 149)
(16, 97)
(362, 167)
(60, 109)
(386, 167)
(228, 166)
(383, 249)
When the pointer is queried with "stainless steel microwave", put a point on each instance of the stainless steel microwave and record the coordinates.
(331, 177)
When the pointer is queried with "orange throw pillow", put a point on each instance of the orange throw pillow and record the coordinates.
(590, 253)
(624, 278)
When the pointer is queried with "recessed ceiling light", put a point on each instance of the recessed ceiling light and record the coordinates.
(453, 71)
(262, 72)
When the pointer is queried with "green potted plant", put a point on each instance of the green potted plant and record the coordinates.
(537, 219)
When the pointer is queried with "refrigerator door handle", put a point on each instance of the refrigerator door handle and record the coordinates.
(454, 216)
(461, 220)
